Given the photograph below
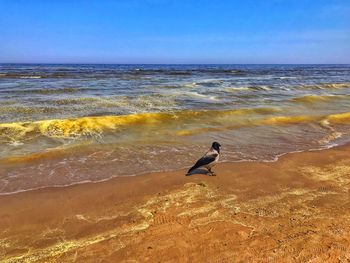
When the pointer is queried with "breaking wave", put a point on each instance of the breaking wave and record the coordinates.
(214, 120)
(95, 126)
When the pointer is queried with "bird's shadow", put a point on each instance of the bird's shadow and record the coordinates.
(199, 171)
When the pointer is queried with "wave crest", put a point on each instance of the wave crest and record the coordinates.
(95, 126)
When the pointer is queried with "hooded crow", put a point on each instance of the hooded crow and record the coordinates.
(208, 160)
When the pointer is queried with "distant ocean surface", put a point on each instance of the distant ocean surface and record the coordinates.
(67, 124)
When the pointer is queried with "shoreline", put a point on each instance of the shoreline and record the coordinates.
(295, 209)
(275, 159)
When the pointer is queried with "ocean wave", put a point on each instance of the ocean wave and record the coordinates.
(190, 85)
(189, 71)
(199, 95)
(248, 88)
(138, 103)
(52, 75)
(297, 87)
(151, 72)
(45, 91)
(27, 110)
(209, 82)
(20, 76)
(96, 126)
(325, 86)
(341, 118)
(236, 89)
(30, 77)
(80, 101)
(311, 98)
(333, 133)
(222, 71)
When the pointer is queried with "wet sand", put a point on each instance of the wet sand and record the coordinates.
(294, 210)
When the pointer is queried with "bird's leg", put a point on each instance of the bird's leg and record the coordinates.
(211, 172)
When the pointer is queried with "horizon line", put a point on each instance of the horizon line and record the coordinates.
(92, 63)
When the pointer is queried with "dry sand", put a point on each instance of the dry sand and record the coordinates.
(294, 210)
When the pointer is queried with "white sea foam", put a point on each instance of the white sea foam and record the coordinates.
(30, 77)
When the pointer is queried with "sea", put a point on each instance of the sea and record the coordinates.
(64, 124)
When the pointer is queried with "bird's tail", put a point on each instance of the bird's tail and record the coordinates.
(191, 169)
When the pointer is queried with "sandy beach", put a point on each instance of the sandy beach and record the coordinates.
(292, 210)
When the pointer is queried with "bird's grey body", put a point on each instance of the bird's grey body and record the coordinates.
(208, 160)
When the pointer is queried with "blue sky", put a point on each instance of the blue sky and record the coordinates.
(175, 31)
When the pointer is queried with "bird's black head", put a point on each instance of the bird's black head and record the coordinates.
(216, 146)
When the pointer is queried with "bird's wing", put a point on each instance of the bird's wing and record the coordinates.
(206, 159)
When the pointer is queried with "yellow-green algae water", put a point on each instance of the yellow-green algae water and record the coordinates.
(67, 124)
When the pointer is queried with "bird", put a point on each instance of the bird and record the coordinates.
(208, 160)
